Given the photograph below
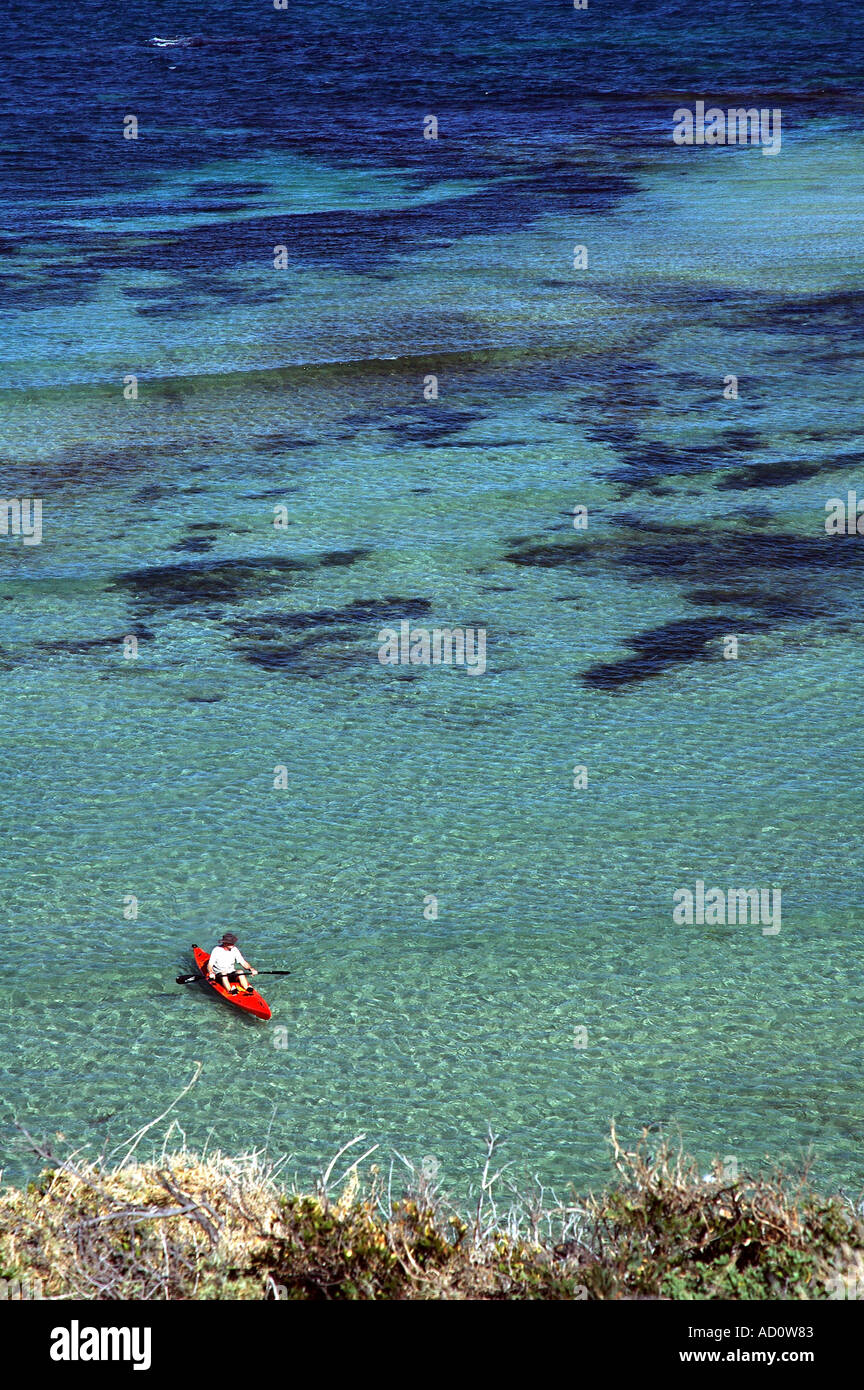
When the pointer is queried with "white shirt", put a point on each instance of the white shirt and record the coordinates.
(224, 959)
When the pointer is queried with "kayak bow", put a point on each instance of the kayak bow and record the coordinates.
(251, 1003)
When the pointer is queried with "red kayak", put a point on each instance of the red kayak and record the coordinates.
(250, 1003)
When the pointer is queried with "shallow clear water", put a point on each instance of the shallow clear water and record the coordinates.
(154, 777)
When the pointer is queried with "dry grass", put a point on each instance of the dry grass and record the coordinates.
(181, 1226)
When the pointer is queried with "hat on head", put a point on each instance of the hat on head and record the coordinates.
(229, 939)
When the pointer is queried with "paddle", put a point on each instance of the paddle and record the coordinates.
(190, 979)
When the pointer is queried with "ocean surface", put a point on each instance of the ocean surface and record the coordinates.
(454, 910)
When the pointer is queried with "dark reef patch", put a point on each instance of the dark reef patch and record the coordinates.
(635, 521)
(722, 555)
(660, 648)
(698, 556)
(779, 577)
(153, 493)
(332, 635)
(87, 464)
(743, 438)
(303, 657)
(266, 496)
(838, 314)
(339, 559)
(782, 604)
(195, 545)
(360, 611)
(493, 443)
(754, 513)
(356, 241)
(775, 474)
(198, 538)
(226, 581)
(548, 554)
(80, 646)
(281, 442)
(645, 464)
(431, 427)
(729, 444)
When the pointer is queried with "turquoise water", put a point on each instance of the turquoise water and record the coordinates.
(154, 777)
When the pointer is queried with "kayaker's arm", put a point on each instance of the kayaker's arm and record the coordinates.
(209, 969)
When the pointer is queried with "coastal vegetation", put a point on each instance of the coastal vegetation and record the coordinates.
(181, 1226)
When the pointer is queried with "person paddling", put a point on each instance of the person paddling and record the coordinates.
(227, 963)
